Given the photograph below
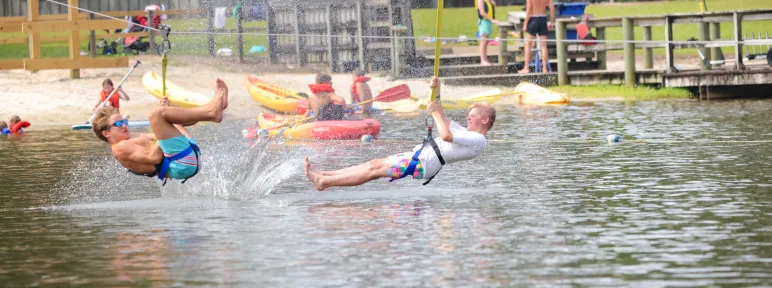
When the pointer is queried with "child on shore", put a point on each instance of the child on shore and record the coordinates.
(107, 88)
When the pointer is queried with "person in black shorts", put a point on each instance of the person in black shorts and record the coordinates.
(536, 24)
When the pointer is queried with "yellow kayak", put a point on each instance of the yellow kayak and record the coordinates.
(415, 103)
(276, 98)
(536, 95)
(176, 94)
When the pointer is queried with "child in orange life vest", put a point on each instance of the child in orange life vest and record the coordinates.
(360, 91)
(15, 125)
(107, 88)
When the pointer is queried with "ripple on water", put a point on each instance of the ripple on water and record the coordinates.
(534, 210)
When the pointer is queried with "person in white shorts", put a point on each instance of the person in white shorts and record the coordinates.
(454, 144)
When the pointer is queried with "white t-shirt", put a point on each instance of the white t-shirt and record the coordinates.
(466, 145)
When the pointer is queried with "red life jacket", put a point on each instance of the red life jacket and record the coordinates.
(354, 94)
(321, 88)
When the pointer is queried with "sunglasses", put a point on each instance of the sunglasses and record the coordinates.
(121, 123)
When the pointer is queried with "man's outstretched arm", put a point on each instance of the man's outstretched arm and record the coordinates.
(438, 113)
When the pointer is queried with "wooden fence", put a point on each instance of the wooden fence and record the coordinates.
(72, 23)
(11, 8)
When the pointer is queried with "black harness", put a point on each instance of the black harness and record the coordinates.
(163, 167)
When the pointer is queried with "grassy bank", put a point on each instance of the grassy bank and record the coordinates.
(619, 91)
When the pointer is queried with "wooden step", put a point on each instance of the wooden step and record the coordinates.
(453, 60)
(458, 70)
(476, 69)
(507, 80)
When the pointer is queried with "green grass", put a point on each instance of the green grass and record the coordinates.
(195, 45)
(465, 20)
(458, 21)
(625, 92)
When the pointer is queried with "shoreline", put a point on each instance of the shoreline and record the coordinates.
(49, 98)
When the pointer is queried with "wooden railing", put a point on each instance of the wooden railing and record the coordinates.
(708, 30)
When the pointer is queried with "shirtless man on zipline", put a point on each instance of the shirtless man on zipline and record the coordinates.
(454, 144)
(168, 152)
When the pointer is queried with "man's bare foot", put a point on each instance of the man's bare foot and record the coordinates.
(524, 71)
(215, 107)
(222, 89)
(545, 69)
(485, 63)
(313, 177)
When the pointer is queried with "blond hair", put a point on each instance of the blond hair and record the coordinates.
(102, 121)
(14, 119)
(487, 109)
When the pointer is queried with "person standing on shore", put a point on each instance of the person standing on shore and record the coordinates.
(536, 24)
(486, 14)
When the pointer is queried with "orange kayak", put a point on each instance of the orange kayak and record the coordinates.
(317, 130)
(276, 98)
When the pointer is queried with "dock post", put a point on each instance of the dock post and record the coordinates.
(562, 54)
(738, 48)
(330, 18)
(648, 53)
(703, 33)
(240, 37)
(73, 16)
(360, 43)
(600, 34)
(629, 48)
(503, 45)
(669, 57)
(299, 59)
(92, 39)
(210, 26)
(715, 35)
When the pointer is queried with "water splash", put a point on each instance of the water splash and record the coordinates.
(230, 169)
(246, 173)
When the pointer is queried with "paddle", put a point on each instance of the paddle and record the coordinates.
(114, 91)
(392, 94)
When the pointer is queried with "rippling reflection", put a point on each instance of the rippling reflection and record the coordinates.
(534, 210)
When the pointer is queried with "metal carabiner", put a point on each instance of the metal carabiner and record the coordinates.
(166, 45)
(429, 124)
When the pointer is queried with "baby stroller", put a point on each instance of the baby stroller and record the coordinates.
(137, 45)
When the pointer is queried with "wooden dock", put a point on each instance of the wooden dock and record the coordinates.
(576, 63)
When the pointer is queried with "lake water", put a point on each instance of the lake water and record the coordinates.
(539, 208)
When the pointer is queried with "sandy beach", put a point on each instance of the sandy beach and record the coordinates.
(51, 98)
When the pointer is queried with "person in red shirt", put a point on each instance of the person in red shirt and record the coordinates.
(107, 88)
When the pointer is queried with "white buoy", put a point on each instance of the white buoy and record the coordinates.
(367, 139)
(262, 133)
(613, 138)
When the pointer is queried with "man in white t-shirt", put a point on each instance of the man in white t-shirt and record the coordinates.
(454, 144)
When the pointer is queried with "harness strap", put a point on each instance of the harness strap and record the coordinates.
(411, 167)
(414, 161)
(193, 148)
(439, 157)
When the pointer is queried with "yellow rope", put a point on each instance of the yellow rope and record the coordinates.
(440, 4)
(163, 73)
